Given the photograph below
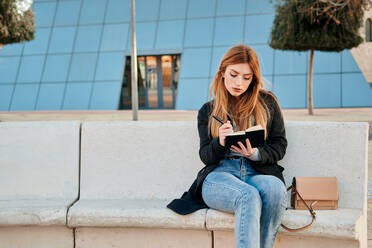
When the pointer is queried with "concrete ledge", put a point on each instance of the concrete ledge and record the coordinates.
(341, 223)
(223, 239)
(34, 212)
(132, 213)
(88, 237)
(36, 237)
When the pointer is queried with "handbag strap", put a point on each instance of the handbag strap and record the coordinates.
(313, 214)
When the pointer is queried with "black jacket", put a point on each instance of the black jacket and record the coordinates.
(211, 152)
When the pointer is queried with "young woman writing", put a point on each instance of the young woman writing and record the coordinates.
(244, 180)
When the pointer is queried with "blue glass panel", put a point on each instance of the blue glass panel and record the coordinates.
(8, 69)
(199, 8)
(82, 67)
(192, 93)
(110, 66)
(288, 62)
(5, 95)
(326, 62)
(67, 13)
(145, 35)
(56, 68)
(105, 95)
(118, 11)
(92, 12)
(50, 97)
(265, 56)
(229, 30)
(348, 62)
(12, 49)
(87, 39)
(356, 92)
(230, 7)
(199, 32)
(62, 40)
(291, 91)
(258, 28)
(327, 91)
(40, 43)
(44, 13)
(115, 37)
(147, 10)
(31, 69)
(260, 6)
(218, 53)
(77, 96)
(170, 34)
(24, 97)
(171, 9)
(268, 82)
(195, 62)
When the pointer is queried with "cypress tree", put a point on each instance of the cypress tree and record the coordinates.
(324, 25)
(15, 25)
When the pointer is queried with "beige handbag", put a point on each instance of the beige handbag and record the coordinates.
(313, 193)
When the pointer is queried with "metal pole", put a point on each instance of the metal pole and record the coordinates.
(134, 64)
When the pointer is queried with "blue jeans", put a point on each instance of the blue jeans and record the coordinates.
(258, 201)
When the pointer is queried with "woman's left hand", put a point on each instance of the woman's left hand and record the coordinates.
(246, 151)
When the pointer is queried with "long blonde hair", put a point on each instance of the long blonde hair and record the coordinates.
(249, 104)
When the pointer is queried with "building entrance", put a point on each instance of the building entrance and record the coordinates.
(157, 82)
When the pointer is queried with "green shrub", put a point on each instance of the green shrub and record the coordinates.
(15, 26)
(318, 24)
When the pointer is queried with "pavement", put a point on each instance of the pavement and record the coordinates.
(344, 114)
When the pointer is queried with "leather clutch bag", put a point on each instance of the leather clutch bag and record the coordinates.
(313, 193)
(318, 192)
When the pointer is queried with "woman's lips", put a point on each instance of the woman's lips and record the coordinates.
(236, 89)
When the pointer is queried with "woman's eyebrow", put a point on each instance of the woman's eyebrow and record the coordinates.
(238, 72)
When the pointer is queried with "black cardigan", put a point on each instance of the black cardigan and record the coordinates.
(211, 152)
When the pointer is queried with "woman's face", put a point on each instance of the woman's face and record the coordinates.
(238, 77)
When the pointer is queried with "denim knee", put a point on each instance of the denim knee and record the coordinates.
(251, 197)
(274, 191)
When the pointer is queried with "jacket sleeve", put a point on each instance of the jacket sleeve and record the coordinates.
(210, 151)
(276, 143)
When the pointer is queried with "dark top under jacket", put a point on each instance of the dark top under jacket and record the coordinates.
(211, 152)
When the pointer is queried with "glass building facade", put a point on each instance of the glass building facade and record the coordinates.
(80, 58)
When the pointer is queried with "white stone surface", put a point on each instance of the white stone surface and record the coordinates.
(142, 238)
(363, 53)
(142, 159)
(34, 212)
(340, 223)
(132, 213)
(39, 159)
(36, 237)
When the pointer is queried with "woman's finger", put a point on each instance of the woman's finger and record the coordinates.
(235, 149)
(242, 146)
(248, 144)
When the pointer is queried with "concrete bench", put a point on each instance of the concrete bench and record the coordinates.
(131, 170)
(39, 180)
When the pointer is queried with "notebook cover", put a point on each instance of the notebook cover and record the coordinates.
(256, 138)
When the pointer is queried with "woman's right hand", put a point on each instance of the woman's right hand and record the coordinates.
(224, 130)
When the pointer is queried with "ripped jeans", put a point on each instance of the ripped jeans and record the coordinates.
(258, 201)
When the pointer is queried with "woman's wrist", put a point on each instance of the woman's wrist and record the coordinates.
(255, 156)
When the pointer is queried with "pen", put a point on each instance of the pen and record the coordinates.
(218, 119)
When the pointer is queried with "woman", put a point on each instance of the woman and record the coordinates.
(244, 180)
